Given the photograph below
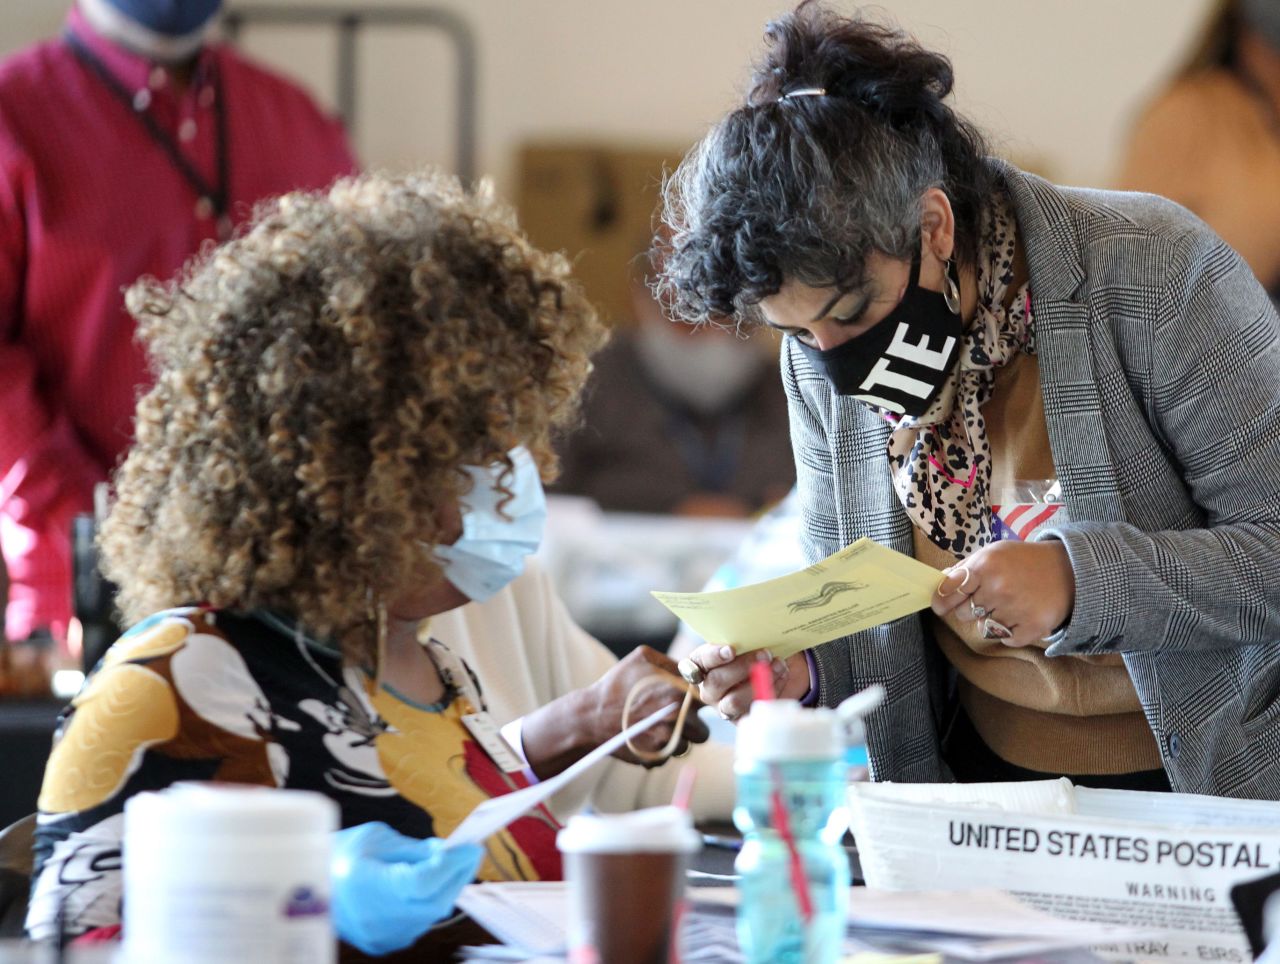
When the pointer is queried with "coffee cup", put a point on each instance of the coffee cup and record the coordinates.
(626, 879)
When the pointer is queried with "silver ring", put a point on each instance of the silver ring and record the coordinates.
(691, 671)
(994, 629)
(978, 611)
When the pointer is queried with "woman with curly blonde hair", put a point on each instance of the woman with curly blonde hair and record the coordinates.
(352, 408)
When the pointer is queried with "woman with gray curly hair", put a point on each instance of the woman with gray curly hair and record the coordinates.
(351, 415)
(1066, 399)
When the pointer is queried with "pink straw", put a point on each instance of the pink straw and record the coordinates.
(762, 687)
(684, 787)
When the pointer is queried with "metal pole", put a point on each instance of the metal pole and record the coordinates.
(347, 28)
(349, 20)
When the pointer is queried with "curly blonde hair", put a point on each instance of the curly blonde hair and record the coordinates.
(320, 382)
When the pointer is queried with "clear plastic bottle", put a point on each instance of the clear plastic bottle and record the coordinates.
(799, 753)
(1271, 930)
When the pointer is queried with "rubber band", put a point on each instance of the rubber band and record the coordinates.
(677, 731)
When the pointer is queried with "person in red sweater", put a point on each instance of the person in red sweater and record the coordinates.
(126, 144)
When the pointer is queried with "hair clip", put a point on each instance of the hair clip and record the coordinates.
(804, 92)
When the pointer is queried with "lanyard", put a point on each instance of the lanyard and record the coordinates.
(212, 195)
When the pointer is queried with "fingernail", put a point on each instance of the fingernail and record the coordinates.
(766, 654)
(726, 653)
(779, 668)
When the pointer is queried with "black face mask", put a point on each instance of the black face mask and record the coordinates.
(902, 363)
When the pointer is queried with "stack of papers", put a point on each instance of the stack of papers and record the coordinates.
(971, 925)
(531, 918)
(532, 921)
(981, 925)
(1161, 862)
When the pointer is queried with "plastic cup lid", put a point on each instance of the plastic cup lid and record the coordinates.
(654, 830)
(777, 730)
(190, 808)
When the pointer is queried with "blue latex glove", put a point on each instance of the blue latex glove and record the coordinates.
(388, 889)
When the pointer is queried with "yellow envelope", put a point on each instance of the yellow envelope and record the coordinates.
(861, 586)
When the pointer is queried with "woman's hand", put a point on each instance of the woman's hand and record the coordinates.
(559, 734)
(388, 889)
(725, 679)
(1017, 592)
(609, 693)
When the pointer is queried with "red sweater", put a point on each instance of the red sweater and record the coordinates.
(89, 202)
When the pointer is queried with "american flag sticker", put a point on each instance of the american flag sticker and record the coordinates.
(1020, 520)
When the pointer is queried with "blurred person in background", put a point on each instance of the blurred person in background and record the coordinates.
(352, 411)
(680, 421)
(1211, 139)
(125, 144)
(961, 339)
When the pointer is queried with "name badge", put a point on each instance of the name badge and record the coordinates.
(487, 734)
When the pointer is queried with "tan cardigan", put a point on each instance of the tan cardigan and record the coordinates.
(1209, 144)
(1069, 714)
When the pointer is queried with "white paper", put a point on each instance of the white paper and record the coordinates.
(973, 913)
(1029, 796)
(496, 812)
(977, 913)
(987, 925)
(531, 916)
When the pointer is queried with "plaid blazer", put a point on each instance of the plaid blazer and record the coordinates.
(1159, 363)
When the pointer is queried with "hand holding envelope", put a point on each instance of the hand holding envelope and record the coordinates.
(862, 585)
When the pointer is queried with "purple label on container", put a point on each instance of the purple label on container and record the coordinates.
(305, 902)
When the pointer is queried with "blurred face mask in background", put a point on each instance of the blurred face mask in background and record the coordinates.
(706, 370)
(168, 31)
(491, 551)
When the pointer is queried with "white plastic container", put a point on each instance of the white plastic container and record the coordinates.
(222, 874)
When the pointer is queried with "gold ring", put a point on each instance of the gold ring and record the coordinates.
(691, 671)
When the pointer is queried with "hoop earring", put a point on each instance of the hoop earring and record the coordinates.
(951, 294)
(377, 613)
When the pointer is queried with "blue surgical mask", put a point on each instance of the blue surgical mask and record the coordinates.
(172, 18)
(491, 551)
(168, 31)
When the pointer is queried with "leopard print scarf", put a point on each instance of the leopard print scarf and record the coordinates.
(941, 461)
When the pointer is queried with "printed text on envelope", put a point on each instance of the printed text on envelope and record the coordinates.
(862, 585)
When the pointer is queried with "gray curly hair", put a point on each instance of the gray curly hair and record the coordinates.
(804, 187)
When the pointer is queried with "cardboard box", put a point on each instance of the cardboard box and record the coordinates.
(596, 203)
